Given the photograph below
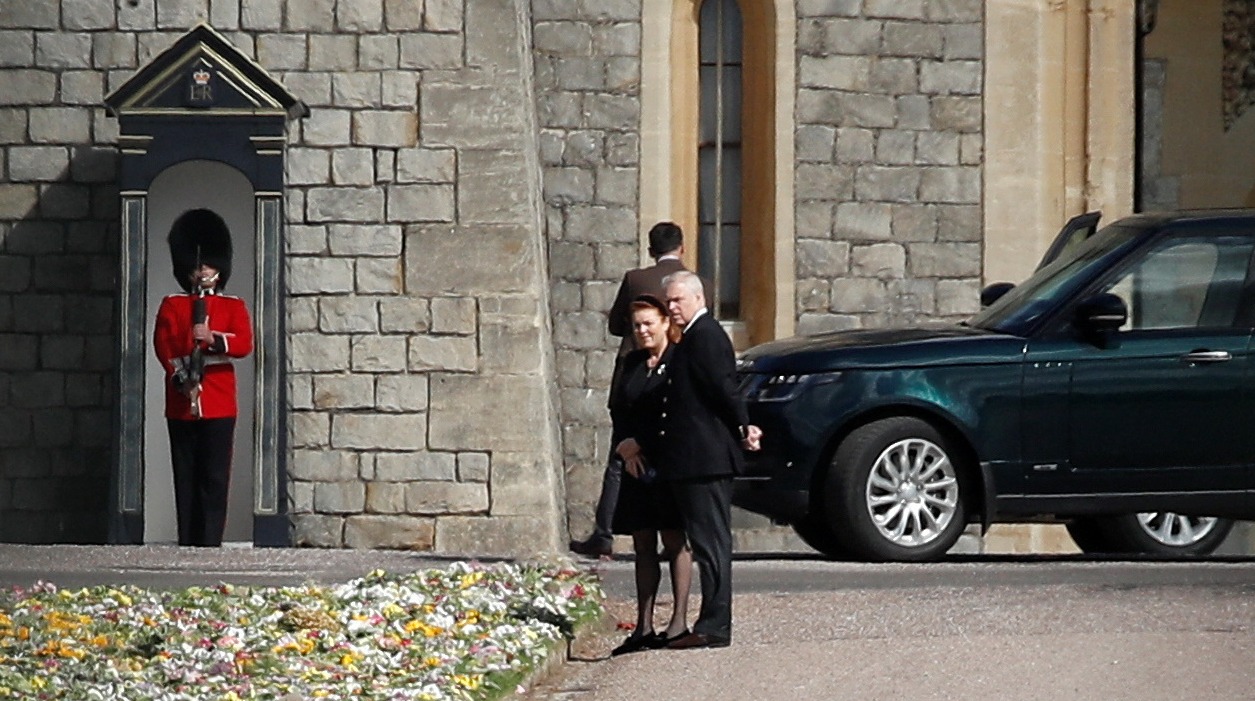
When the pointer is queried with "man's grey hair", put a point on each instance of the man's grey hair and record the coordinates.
(689, 279)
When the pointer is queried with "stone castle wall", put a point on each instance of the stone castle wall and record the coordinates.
(889, 151)
(588, 71)
(422, 414)
(461, 205)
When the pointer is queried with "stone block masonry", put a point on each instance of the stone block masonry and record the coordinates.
(417, 304)
(889, 173)
(461, 204)
(587, 62)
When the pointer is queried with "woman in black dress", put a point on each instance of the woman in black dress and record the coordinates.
(646, 509)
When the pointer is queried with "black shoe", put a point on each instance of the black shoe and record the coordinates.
(665, 640)
(696, 640)
(593, 547)
(636, 643)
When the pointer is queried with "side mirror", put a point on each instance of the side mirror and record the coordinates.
(1101, 314)
(993, 292)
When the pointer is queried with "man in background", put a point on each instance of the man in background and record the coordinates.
(666, 246)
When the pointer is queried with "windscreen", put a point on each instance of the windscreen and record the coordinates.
(1018, 310)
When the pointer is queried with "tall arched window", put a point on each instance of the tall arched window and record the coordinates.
(717, 150)
(719, 154)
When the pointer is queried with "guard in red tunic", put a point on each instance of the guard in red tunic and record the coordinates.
(197, 335)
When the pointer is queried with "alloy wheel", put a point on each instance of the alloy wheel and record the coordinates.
(912, 492)
(1175, 529)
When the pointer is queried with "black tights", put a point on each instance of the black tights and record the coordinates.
(649, 575)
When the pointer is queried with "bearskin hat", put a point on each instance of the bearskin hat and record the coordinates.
(199, 235)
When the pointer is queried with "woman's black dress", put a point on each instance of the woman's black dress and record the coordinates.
(636, 411)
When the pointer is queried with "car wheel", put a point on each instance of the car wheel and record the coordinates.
(1088, 535)
(895, 491)
(1164, 533)
(815, 532)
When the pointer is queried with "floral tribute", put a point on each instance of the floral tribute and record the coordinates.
(467, 633)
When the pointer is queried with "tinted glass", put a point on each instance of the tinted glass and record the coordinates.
(1025, 305)
(1185, 283)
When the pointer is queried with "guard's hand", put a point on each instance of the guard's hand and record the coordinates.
(202, 334)
(753, 438)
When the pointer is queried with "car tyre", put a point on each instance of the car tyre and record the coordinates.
(816, 532)
(1163, 533)
(1089, 536)
(896, 491)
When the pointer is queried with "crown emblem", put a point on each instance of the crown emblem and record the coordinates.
(201, 77)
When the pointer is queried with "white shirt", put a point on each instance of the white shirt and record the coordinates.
(696, 316)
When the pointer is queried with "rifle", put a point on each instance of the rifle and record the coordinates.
(190, 370)
(196, 366)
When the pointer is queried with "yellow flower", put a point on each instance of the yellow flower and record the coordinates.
(468, 681)
(470, 579)
(100, 641)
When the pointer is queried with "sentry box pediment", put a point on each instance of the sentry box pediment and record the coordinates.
(203, 71)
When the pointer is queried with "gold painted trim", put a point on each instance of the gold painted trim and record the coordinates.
(253, 92)
(205, 111)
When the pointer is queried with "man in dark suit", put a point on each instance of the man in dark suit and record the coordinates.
(703, 429)
(666, 245)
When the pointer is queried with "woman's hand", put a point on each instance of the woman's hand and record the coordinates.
(628, 448)
(633, 461)
(634, 466)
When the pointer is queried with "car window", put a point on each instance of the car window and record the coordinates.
(1024, 305)
(1184, 283)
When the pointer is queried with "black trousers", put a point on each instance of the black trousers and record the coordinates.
(706, 507)
(201, 454)
(609, 499)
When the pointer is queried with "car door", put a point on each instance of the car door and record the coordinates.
(1075, 232)
(1159, 406)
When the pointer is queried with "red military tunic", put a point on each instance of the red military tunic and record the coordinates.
(233, 338)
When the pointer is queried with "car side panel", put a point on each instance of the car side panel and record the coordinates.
(979, 401)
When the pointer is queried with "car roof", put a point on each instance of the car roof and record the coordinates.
(1188, 217)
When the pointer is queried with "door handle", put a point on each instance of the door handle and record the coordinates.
(1201, 357)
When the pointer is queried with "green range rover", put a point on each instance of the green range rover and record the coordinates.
(1112, 391)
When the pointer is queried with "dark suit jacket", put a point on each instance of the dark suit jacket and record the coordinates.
(703, 416)
(635, 414)
(641, 281)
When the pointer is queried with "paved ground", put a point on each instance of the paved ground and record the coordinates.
(971, 642)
